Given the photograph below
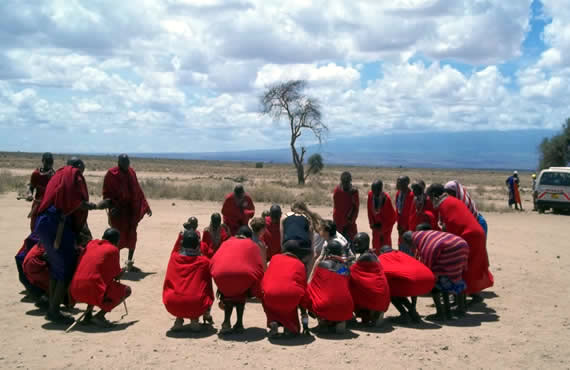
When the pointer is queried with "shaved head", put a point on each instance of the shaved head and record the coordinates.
(124, 162)
(112, 236)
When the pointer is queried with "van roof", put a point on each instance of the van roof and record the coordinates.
(560, 168)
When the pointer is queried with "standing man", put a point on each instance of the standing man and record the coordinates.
(381, 216)
(534, 192)
(514, 194)
(404, 205)
(127, 205)
(238, 209)
(346, 205)
(38, 183)
(272, 235)
(62, 215)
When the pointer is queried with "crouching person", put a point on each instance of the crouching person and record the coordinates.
(368, 284)
(95, 280)
(187, 292)
(237, 270)
(329, 291)
(284, 290)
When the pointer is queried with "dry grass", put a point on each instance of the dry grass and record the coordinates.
(10, 182)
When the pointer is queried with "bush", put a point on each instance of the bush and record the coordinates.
(554, 151)
(259, 165)
(9, 182)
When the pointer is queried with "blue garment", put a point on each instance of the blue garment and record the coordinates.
(30, 241)
(483, 223)
(511, 184)
(445, 285)
(62, 261)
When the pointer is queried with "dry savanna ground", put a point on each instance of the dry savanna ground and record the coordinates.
(523, 323)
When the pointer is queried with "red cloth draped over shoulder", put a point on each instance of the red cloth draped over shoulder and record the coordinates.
(369, 286)
(459, 220)
(406, 276)
(187, 290)
(66, 190)
(36, 268)
(208, 246)
(39, 181)
(386, 216)
(284, 288)
(237, 269)
(272, 237)
(97, 268)
(345, 212)
(329, 294)
(428, 215)
(236, 216)
(405, 212)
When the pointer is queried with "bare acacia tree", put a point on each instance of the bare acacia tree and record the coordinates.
(287, 100)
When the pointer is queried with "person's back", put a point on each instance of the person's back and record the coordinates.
(296, 227)
(97, 268)
(406, 276)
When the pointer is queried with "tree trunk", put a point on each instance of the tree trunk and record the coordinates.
(301, 174)
(298, 165)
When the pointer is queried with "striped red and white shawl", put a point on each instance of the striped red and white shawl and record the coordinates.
(463, 195)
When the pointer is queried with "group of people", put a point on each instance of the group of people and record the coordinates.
(298, 265)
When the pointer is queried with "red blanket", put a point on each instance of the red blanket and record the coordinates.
(385, 216)
(406, 276)
(345, 212)
(369, 287)
(404, 212)
(284, 288)
(329, 294)
(39, 182)
(36, 268)
(128, 198)
(97, 268)
(237, 269)
(272, 237)
(425, 215)
(187, 290)
(459, 220)
(236, 215)
(66, 191)
(209, 244)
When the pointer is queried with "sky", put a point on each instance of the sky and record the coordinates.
(186, 75)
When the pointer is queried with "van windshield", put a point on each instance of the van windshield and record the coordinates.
(555, 179)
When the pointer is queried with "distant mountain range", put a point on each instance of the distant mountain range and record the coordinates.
(472, 150)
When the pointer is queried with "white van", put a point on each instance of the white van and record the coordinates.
(553, 189)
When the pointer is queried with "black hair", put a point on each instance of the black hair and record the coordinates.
(112, 236)
(190, 239)
(435, 190)
(245, 231)
(361, 243)
(330, 227)
(377, 186)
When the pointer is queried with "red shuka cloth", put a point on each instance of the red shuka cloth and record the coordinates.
(404, 213)
(272, 237)
(406, 276)
(369, 287)
(427, 215)
(459, 220)
(187, 290)
(36, 268)
(386, 216)
(346, 205)
(283, 289)
(38, 181)
(128, 197)
(66, 191)
(329, 294)
(208, 247)
(237, 269)
(97, 268)
(235, 216)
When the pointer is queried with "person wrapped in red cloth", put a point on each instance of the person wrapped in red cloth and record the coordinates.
(31, 290)
(404, 205)
(96, 280)
(272, 234)
(446, 256)
(237, 209)
(329, 290)
(346, 204)
(62, 216)
(368, 284)
(214, 235)
(187, 291)
(36, 268)
(237, 270)
(284, 290)
(407, 277)
(457, 219)
(37, 187)
(381, 216)
(125, 199)
(422, 211)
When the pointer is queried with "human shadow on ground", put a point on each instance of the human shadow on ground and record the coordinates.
(292, 340)
(248, 335)
(422, 325)
(88, 328)
(185, 333)
(489, 295)
(330, 334)
(385, 328)
(136, 276)
(476, 315)
(36, 312)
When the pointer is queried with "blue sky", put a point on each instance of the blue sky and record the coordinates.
(185, 75)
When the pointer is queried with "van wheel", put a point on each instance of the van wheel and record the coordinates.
(540, 210)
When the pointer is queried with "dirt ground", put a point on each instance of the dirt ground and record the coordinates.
(523, 323)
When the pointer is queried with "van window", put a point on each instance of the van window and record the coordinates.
(555, 179)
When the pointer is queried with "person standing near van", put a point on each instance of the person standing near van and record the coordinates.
(514, 194)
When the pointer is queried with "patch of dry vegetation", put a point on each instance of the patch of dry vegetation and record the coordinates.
(10, 182)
